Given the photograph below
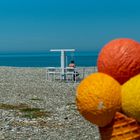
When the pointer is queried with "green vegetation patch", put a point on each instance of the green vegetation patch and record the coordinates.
(35, 114)
(13, 107)
(36, 99)
(27, 111)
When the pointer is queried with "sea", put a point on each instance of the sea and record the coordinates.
(48, 59)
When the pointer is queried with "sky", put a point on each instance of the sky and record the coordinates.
(85, 25)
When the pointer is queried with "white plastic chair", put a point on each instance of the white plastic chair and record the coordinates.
(70, 74)
(52, 73)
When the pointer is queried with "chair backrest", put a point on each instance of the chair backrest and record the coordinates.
(51, 69)
(70, 69)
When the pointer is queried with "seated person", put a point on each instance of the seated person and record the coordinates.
(72, 65)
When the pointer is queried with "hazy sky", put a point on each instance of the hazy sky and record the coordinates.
(39, 25)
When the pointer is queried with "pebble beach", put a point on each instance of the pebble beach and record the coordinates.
(34, 108)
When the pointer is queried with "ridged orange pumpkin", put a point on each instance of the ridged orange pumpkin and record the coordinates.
(120, 59)
(121, 128)
(98, 97)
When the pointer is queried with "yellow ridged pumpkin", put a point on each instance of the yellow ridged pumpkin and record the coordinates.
(131, 97)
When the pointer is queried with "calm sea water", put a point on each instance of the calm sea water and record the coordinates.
(48, 59)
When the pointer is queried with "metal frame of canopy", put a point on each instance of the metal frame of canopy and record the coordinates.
(62, 59)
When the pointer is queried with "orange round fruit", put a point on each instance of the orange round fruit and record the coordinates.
(98, 97)
(120, 59)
